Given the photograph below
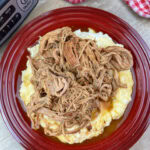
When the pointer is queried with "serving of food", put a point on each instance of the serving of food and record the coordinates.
(76, 83)
(76, 88)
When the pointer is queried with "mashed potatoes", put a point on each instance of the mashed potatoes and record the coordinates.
(107, 114)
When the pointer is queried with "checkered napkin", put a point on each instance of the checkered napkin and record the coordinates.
(141, 7)
(75, 1)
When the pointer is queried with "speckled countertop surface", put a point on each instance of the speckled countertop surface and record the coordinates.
(117, 7)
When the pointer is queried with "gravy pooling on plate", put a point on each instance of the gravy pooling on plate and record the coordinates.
(69, 78)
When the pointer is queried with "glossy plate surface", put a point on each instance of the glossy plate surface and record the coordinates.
(14, 61)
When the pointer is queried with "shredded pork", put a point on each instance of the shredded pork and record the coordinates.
(71, 76)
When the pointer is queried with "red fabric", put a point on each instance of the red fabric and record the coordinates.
(141, 7)
(75, 1)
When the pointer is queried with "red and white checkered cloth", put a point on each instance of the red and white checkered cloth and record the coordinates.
(141, 7)
(75, 1)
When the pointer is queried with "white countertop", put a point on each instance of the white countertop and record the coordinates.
(117, 7)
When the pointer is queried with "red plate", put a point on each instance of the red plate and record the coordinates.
(14, 61)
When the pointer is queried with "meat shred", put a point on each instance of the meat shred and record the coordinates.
(70, 77)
